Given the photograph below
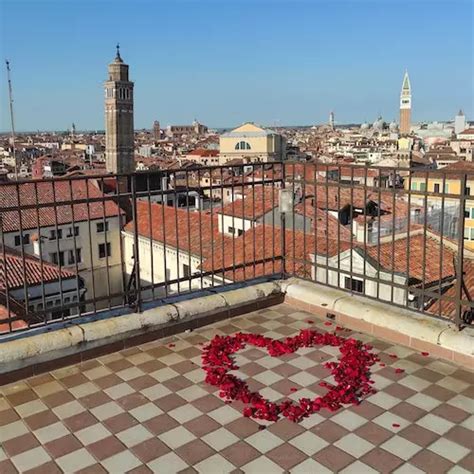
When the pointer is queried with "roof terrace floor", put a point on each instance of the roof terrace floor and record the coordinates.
(148, 409)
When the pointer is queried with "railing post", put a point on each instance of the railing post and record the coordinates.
(460, 257)
(136, 252)
(283, 221)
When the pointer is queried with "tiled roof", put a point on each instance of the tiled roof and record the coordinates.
(204, 152)
(256, 203)
(423, 258)
(17, 273)
(190, 231)
(325, 222)
(51, 193)
(448, 308)
(264, 242)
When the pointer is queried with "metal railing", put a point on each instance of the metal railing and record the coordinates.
(78, 246)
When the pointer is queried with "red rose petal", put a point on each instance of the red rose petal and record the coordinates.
(425, 354)
(293, 389)
(351, 373)
(382, 364)
(310, 321)
(399, 371)
(393, 356)
(171, 345)
(327, 323)
(395, 425)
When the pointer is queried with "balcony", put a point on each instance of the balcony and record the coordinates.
(101, 354)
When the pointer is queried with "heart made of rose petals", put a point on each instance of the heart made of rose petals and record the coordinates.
(351, 373)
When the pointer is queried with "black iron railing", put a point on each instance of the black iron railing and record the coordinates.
(80, 245)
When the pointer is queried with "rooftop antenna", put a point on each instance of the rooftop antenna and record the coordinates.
(10, 95)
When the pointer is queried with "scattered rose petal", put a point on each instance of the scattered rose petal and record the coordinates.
(293, 389)
(327, 323)
(310, 321)
(261, 427)
(399, 371)
(393, 356)
(382, 364)
(171, 345)
(395, 425)
(339, 328)
(425, 354)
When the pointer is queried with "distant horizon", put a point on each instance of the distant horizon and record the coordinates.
(232, 63)
(99, 130)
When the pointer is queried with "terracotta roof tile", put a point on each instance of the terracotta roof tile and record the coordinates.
(51, 193)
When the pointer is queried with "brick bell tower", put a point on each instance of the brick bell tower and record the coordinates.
(405, 106)
(119, 137)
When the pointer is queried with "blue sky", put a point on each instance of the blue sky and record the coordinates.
(228, 61)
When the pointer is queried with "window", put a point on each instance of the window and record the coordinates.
(436, 188)
(467, 191)
(18, 241)
(354, 284)
(75, 257)
(422, 186)
(102, 226)
(57, 258)
(414, 186)
(472, 212)
(234, 231)
(73, 231)
(186, 271)
(466, 213)
(446, 188)
(104, 250)
(53, 235)
(243, 146)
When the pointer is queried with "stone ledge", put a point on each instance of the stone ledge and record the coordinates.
(440, 338)
(35, 354)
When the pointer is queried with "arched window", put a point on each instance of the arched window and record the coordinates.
(242, 146)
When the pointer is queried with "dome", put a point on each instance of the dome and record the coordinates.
(364, 126)
(393, 126)
(378, 124)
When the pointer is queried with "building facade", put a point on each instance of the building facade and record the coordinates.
(405, 106)
(119, 138)
(251, 144)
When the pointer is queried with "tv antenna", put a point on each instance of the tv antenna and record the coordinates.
(10, 95)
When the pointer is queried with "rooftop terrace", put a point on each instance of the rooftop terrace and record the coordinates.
(148, 409)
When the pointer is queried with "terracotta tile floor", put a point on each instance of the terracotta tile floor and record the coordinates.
(147, 409)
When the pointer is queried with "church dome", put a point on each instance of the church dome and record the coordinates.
(393, 126)
(378, 124)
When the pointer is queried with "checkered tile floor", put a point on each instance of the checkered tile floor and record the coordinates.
(146, 409)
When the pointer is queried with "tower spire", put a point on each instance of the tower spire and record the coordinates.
(118, 58)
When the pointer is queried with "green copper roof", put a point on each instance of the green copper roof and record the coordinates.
(406, 82)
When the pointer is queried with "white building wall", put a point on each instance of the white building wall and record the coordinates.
(337, 278)
(156, 266)
(229, 225)
(107, 272)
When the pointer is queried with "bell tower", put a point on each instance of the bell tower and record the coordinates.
(405, 106)
(119, 137)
